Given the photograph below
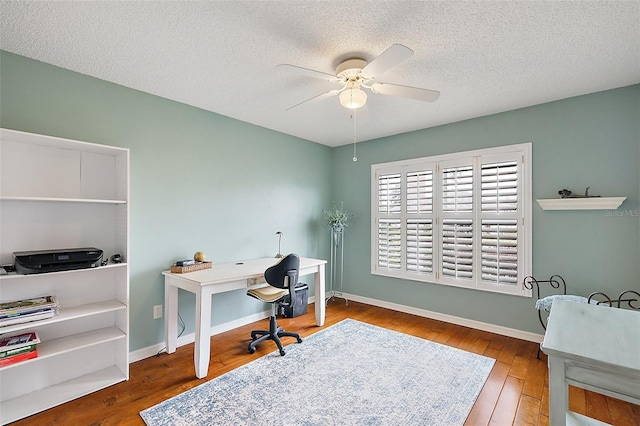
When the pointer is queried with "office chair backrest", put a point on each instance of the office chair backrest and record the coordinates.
(284, 274)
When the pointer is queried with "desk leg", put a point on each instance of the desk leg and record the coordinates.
(202, 351)
(170, 316)
(318, 283)
(558, 392)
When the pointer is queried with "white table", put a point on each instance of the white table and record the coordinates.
(220, 279)
(592, 347)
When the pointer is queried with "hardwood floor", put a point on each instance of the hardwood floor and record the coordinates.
(516, 392)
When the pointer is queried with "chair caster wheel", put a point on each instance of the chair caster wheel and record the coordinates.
(299, 340)
(251, 350)
(282, 353)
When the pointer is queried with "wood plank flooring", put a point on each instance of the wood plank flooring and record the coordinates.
(516, 392)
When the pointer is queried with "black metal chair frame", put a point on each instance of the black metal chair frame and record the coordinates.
(282, 275)
(630, 297)
(556, 282)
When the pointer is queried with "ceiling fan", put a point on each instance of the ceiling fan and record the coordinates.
(355, 74)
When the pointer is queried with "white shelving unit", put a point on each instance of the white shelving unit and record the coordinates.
(54, 194)
(591, 203)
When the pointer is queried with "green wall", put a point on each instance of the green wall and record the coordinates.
(591, 140)
(201, 181)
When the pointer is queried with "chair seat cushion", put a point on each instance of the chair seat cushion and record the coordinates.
(545, 303)
(267, 293)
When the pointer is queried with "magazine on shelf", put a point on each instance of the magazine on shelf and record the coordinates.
(18, 358)
(19, 319)
(18, 340)
(27, 305)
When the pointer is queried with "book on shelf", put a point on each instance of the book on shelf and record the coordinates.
(27, 310)
(16, 341)
(27, 305)
(18, 347)
(19, 319)
(17, 351)
(14, 359)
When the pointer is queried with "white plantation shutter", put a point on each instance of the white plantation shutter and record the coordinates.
(457, 243)
(389, 244)
(500, 187)
(420, 192)
(457, 219)
(420, 245)
(500, 251)
(389, 194)
(457, 248)
(499, 248)
(419, 221)
(389, 223)
(457, 189)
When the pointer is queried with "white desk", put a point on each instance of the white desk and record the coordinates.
(220, 279)
(591, 347)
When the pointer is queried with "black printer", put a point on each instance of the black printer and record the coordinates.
(37, 262)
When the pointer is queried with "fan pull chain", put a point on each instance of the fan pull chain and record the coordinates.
(355, 157)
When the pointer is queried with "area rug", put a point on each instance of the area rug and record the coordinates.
(350, 373)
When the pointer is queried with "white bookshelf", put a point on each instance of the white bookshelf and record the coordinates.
(57, 193)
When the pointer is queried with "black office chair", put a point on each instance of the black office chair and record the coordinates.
(282, 279)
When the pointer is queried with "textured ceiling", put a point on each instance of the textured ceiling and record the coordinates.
(483, 56)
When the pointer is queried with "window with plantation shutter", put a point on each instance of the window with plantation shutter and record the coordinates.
(460, 219)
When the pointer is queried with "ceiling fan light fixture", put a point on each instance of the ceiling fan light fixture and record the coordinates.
(353, 98)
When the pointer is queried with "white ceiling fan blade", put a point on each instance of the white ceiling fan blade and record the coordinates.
(316, 98)
(395, 54)
(424, 95)
(308, 72)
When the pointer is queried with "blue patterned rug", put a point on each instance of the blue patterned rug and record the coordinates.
(351, 373)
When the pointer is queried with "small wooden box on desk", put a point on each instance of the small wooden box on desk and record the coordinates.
(175, 269)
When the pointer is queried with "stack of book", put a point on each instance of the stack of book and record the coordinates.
(18, 348)
(27, 310)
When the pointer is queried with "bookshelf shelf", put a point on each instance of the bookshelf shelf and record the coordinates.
(57, 193)
(67, 314)
(20, 407)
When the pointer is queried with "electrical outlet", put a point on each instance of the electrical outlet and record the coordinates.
(157, 312)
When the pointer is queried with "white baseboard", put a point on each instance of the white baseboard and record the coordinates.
(478, 325)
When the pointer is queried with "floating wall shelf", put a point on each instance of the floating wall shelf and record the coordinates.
(591, 203)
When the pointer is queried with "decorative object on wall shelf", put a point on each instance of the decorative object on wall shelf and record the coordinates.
(570, 201)
(565, 193)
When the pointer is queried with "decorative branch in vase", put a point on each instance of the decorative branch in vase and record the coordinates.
(337, 218)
